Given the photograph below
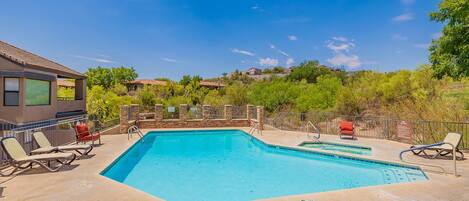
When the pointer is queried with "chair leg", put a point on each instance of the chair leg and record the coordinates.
(438, 153)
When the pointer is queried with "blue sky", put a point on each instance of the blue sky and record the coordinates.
(171, 38)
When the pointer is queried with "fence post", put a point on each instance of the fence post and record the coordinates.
(134, 112)
(228, 112)
(206, 112)
(158, 112)
(249, 111)
(124, 118)
(183, 112)
(260, 117)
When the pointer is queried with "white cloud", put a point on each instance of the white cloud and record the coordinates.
(407, 2)
(290, 61)
(340, 44)
(292, 37)
(341, 59)
(399, 37)
(99, 60)
(341, 47)
(422, 45)
(436, 35)
(403, 17)
(170, 60)
(256, 7)
(268, 62)
(238, 51)
(340, 38)
(279, 50)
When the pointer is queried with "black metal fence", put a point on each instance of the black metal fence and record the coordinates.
(409, 131)
(239, 112)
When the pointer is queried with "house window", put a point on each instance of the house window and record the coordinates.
(37, 92)
(11, 93)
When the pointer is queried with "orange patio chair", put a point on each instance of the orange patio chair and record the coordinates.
(347, 129)
(84, 135)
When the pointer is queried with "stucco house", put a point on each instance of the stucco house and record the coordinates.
(28, 85)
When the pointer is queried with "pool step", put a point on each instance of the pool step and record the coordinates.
(397, 175)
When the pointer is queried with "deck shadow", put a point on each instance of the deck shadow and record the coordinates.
(40, 170)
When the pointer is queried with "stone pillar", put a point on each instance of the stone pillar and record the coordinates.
(206, 112)
(183, 112)
(228, 112)
(124, 118)
(158, 112)
(260, 117)
(134, 112)
(249, 113)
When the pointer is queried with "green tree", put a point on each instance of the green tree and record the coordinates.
(213, 97)
(99, 76)
(450, 53)
(311, 70)
(185, 80)
(321, 95)
(122, 74)
(237, 94)
(147, 97)
(274, 95)
(108, 77)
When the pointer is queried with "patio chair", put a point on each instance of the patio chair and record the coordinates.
(84, 135)
(444, 149)
(19, 158)
(347, 129)
(46, 147)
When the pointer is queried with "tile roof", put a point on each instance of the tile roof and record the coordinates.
(149, 82)
(28, 59)
(65, 83)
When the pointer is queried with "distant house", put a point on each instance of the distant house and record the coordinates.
(138, 84)
(133, 86)
(254, 71)
(65, 83)
(28, 85)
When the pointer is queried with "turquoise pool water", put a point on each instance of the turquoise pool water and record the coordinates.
(230, 165)
(351, 149)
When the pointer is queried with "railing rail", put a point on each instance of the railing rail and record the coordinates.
(134, 130)
(254, 127)
(318, 132)
(429, 146)
(390, 128)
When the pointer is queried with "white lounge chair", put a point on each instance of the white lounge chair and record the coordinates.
(444, 149)
(18, 157)
(46, 147)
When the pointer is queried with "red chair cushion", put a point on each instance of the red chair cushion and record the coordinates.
(90, 137)
(346, 125)
(82, 130)
(346, 132)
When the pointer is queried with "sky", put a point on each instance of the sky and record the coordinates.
(172, 38)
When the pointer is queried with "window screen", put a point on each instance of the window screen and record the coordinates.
(37, 92)
(11, 92)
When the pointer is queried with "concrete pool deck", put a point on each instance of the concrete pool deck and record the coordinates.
(82, 180)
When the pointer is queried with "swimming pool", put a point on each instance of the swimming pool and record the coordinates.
(329, 146)
(230, 165)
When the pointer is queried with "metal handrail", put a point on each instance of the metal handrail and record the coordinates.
(435, 166)
(315, 128)
(134, 129)
(254, 127)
